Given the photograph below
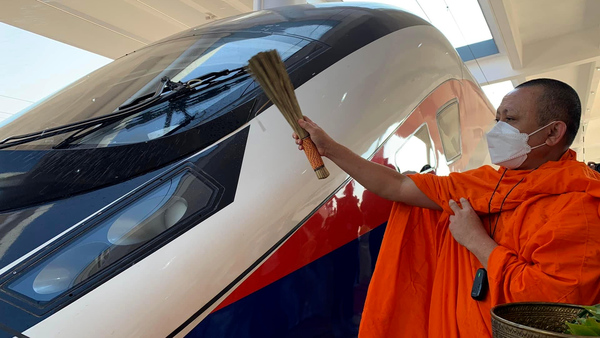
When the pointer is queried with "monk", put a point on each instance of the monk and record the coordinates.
(533, 224)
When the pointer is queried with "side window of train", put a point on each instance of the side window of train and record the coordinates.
(448, 121)
(416, 152)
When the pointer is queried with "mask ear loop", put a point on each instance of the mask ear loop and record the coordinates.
(541, 128)
(543, 144)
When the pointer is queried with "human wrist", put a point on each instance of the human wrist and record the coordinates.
(482, 249)
(332, 149)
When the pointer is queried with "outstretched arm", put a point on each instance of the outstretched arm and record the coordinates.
(376, 178)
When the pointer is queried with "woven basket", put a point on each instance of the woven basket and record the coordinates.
(533, 320)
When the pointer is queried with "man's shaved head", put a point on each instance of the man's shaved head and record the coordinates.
(557, 102)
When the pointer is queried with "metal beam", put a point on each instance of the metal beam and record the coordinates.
(543, 56)
(501, 12)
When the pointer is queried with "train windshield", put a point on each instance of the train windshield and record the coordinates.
(138, 74)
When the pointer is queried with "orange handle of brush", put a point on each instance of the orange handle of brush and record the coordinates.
(310, 149)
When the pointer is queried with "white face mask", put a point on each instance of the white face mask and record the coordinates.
(508, 146)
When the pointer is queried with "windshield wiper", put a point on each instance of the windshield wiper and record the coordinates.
(166, 90)
(169, 86)
(166, 85)
(85, 124)
(210, 77)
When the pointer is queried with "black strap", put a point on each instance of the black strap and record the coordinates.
(490, 206)
(493, 231)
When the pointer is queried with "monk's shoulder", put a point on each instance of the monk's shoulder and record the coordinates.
(579, 203)
(482, 172)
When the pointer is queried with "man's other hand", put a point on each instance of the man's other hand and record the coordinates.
(467, 229)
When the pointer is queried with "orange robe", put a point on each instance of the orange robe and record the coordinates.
(549, 250)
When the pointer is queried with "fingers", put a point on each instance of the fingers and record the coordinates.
(296, 138)
(304, 123)
(465, 203)
(454, 206)
(310, 128)
(307, 123)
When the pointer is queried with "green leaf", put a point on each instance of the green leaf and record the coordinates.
(593, 309)
(594, 325)
(580, 330)
(587, 322)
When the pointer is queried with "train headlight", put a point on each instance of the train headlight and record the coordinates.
(60, 273)
(122, 234)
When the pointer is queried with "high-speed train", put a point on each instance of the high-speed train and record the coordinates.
(163, 196)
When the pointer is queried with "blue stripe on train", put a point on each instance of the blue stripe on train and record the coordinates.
(322, 299)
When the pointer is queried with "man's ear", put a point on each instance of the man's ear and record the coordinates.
(556, 133)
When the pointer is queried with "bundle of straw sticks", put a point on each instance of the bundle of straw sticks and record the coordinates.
(268, 69)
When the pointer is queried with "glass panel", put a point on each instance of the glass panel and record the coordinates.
(163, 118)
(416, 152)
(449, 126)
(137, 74)
(461, 21)
(467, 15)
(496, 92)
(235, 53)
(115, 237)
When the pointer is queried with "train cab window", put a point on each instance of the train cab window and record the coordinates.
(130, 80)
(118, 236)
(448, 121)
(204, 57)
(416, 152)
(235, 52)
